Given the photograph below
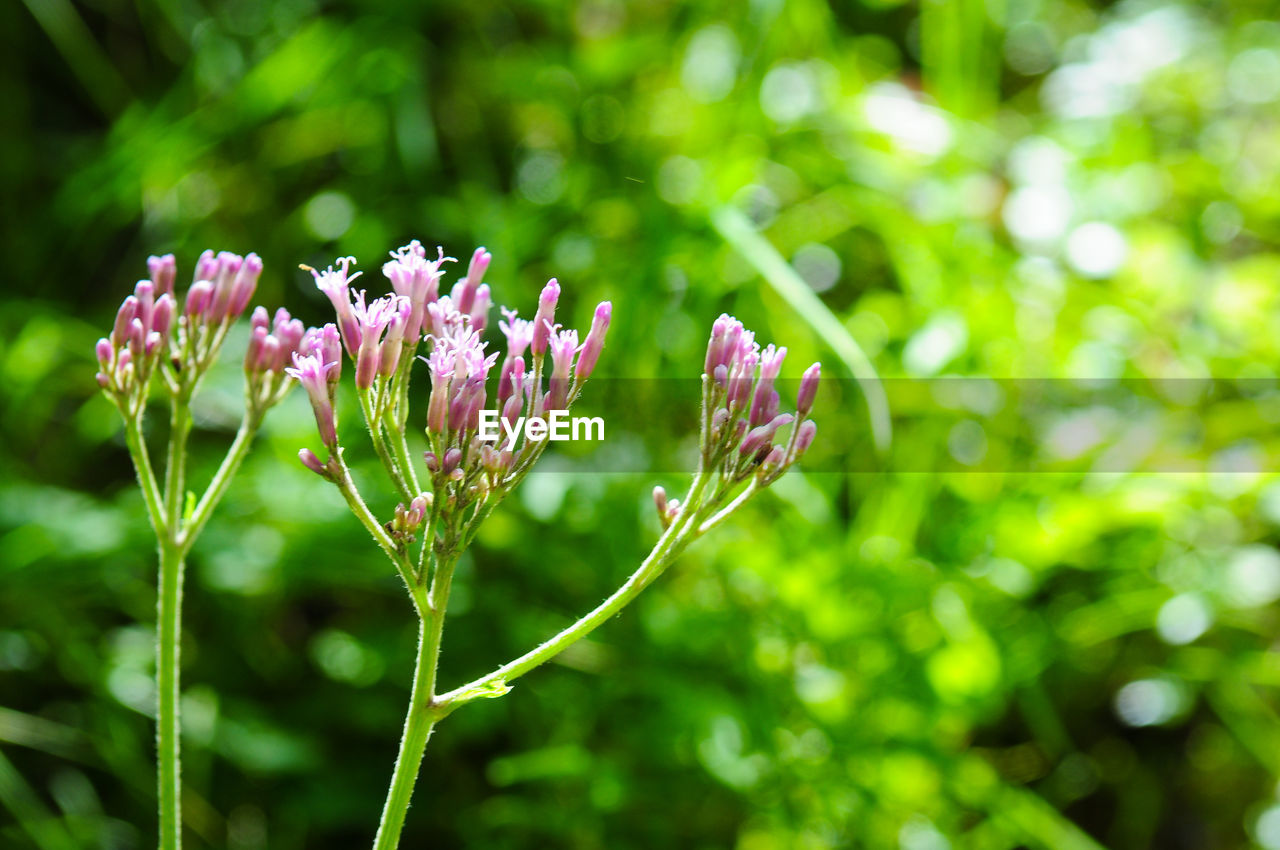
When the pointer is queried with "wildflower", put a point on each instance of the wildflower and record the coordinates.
(336, 284)
(740, 434)
(313, 373)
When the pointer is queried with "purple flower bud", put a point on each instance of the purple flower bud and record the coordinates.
(124, 318)
(312, 373)
(432, 462)
(660, 500)
(145, 292)
(808, 389)
(479, 314)
(331, 351)
(260, 319)
(206, 267)
(465, 292)
(544, 319)
(393, 344)
(510, 380)
(595, 341)
(311, 462)
(272, 356)
(289, 333)
(223, 285)
(162, 315)
(451, 460)
(246, 282)
(103, 379)
(104, 351)
(418, 509)
(257, 339)
(716, 346)
(163, 272)
(511, 409)
(478, 266)
(804, 437)
(563, 346)
(153, 343)
(137, 338)
(199, 296)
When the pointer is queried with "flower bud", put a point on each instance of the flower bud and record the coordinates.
(199, 297)
(804, 437)
(163, 271)
(104, 352)
(162, 315)
(594, 344)
(253, 352)
(246, 282)
(311, 462)
(206, 267)
(124, 318)
(452, 458)
(808, 389)
(544, 319)
(479, 313)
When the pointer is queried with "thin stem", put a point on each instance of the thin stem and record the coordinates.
(347, 486)
(670, 544)
(176, 462)
(423, 713)
(221, 480)
(380, 446)
(400, 446)
(724, 512)
(146, 475)
(169, 631)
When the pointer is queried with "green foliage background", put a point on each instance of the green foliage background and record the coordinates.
(942, 658)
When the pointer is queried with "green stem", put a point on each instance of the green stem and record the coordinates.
(347, 486)
(374, 422)
(218, 486)
(146, 475)
(169, 630)
(176, 463)
(423, 707)
(673, 541)
(400, 445)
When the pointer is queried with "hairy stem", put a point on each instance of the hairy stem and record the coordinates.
(221, 480)
(673, 541)
(176, 462)
(168, 725)
(146, 475)
(347, 486)
(423, 713)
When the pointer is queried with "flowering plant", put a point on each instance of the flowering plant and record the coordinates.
(467, 474)
(153, 341)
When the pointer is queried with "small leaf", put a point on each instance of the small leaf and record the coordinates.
(489, 690)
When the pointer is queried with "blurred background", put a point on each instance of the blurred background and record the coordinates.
(971, 653)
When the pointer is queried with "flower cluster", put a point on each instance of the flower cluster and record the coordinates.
(383, 336)
(741, 415)
(741, 406)
(152, 336)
